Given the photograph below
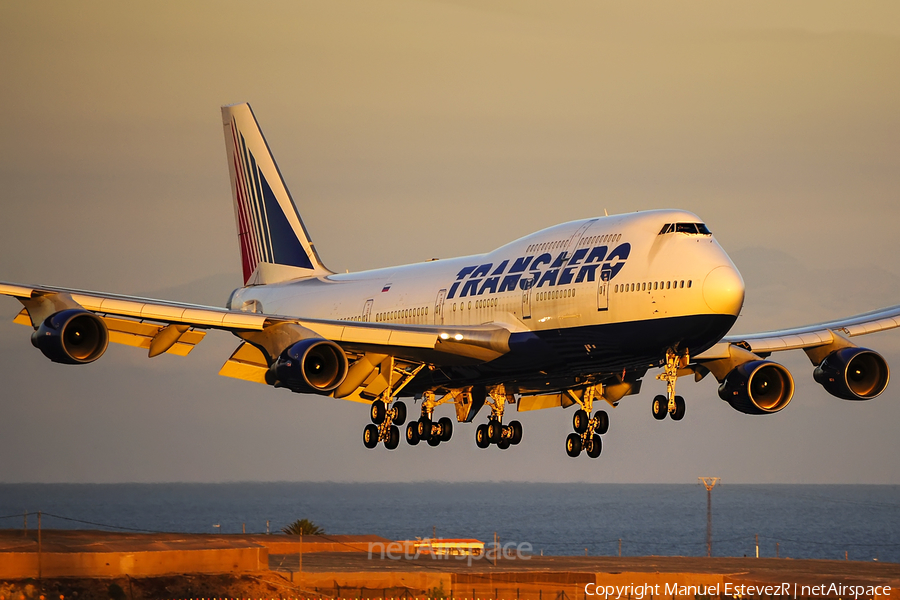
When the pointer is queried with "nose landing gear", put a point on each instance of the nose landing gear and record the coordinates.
(670, 403)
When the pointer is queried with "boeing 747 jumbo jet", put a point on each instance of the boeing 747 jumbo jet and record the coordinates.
(570, 315)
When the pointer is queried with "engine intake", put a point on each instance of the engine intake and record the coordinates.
(72, 337)
(853, 374)
(312, 365)
(758, 387)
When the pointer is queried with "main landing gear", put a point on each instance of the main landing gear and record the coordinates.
(384, 426)
(386, 413)
(494, 431)
(426, 429)
(670, 403)
(587, 429)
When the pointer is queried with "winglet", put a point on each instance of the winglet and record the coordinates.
(269, 226)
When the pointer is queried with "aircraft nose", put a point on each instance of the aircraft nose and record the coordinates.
(723, 290)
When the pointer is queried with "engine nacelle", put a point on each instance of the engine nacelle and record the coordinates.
(72, 337)
(758, 387)
(853, 374)
(313, 365)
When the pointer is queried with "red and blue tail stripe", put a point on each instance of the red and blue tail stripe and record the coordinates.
(269, 226)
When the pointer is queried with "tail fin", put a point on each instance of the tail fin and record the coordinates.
(275, 245)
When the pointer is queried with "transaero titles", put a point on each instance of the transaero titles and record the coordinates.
(529, 271)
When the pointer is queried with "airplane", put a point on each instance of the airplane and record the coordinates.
(571, 315)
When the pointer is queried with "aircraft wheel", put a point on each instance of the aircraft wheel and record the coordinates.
(377, 412)
(495, 431)
(602, 421)
(678, 414)
(580, 421)
(434, 440)
(517, 432)
(400, 417)
(503, 444)
(573, 445)
(660, 407)
(370, 436)
(446, 429)
(481, 436)
(424, 427)
(595, 447)
(412, 433)
(393, 438)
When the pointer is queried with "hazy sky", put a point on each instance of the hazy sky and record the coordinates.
(411, 130)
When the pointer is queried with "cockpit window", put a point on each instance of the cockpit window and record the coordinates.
(692, 228)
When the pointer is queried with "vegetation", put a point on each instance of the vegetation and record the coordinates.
(437, 593)
(303, 527)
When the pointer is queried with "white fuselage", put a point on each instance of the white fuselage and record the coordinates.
(559, 284)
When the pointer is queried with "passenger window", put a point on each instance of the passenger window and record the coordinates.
(668, 285)
(682, 283)
(689, 283)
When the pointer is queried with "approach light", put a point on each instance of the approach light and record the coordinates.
(445, 336)
(457, 337)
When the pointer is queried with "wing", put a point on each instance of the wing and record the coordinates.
(376, 349)
(756, 386)
(810, 336)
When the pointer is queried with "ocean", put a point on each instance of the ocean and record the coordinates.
(796, 521)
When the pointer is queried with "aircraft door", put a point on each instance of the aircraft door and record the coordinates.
(603, 290)
(526, 298)
(367, 310)
(439, 307)
(575, 239)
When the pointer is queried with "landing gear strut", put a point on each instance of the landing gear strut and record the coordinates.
(494, 431)
(387, 414)
(670, 403)
(587, 429)
(425, 429)
(384, 424)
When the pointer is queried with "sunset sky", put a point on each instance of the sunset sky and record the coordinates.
(412, 130)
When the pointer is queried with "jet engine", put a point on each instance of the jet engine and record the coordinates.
(757, 387)
(72, 337)
(313, 365)
(853, 374)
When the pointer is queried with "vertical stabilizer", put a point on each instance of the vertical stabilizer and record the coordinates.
(275, 245)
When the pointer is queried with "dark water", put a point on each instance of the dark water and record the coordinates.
(806, 521)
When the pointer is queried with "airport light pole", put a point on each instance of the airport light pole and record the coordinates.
(709, 483)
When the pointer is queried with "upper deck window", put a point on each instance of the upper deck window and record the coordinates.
(692, 228)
